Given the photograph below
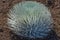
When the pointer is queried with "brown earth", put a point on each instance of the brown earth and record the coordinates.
(5, 5)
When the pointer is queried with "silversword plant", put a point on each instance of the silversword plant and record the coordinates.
(30, 19)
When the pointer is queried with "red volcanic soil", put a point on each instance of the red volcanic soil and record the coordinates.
(5, 5)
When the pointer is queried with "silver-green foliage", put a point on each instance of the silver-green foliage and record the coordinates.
(30, 19)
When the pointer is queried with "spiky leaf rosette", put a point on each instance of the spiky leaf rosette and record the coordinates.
(30, 19)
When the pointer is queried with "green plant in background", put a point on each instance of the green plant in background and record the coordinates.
(30, 19)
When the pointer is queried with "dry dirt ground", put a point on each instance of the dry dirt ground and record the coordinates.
(5, 5)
